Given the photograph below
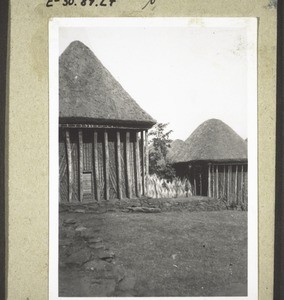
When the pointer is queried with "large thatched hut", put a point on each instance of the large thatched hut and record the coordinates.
(214, 159)
(102, 132)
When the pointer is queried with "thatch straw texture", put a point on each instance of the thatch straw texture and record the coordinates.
(213, 140)
(89, 93)
(177, 149)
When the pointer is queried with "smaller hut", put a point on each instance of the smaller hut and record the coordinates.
(214, 159)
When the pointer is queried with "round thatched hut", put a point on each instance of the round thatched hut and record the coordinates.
(102, 132)
(214, 159)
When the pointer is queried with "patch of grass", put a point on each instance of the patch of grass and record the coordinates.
(182, 253)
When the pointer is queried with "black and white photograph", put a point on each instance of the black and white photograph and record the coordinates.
(153, 158)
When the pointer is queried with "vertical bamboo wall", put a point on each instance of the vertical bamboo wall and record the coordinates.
(228, 181)
(102, 164)
(219, 180)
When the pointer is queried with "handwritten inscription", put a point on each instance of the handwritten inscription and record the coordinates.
(150, 2)
(96, 3)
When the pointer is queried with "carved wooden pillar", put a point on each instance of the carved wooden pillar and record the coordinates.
(119, 184)
(242, 184)
(213, 183)
(236, 185)
(224, 181)
(194, 180)
(70, 166)
(81, 165)
(147, 162)
(137, 166)
(143, 162)
(128, 175)
(200, 184)
(217, 181)
(106, 165)
(96, 167)
(229, 183)
(209, 180)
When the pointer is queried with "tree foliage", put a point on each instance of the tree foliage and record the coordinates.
(158, 149)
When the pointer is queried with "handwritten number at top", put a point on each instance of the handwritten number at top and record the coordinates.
(68, 2)
(102, 2)
(50, 3)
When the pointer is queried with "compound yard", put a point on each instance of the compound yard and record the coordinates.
(157, 254)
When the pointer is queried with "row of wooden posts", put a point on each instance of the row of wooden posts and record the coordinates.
(213, 181)
(140, 161)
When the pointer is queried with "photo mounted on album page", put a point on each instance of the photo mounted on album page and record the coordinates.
(153, 157)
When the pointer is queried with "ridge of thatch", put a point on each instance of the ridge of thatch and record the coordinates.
(89, 93)
(213, 140)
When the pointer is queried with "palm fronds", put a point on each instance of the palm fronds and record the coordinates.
(161, 188)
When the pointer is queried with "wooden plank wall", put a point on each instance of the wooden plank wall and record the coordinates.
(63, 172)
(88, 166)
(73, 166)
(115, 160)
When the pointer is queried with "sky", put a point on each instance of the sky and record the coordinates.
(181, 75)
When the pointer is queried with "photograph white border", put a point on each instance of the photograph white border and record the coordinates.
(251, 25)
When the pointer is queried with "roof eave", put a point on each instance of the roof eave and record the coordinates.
(232, 160)
(73, 121)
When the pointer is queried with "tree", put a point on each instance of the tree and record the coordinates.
(158, 150)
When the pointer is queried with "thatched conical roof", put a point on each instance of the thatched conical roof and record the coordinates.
(213, 140)
(177, 149)
(89, 93)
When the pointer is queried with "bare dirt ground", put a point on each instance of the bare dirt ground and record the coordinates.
(158, 254)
